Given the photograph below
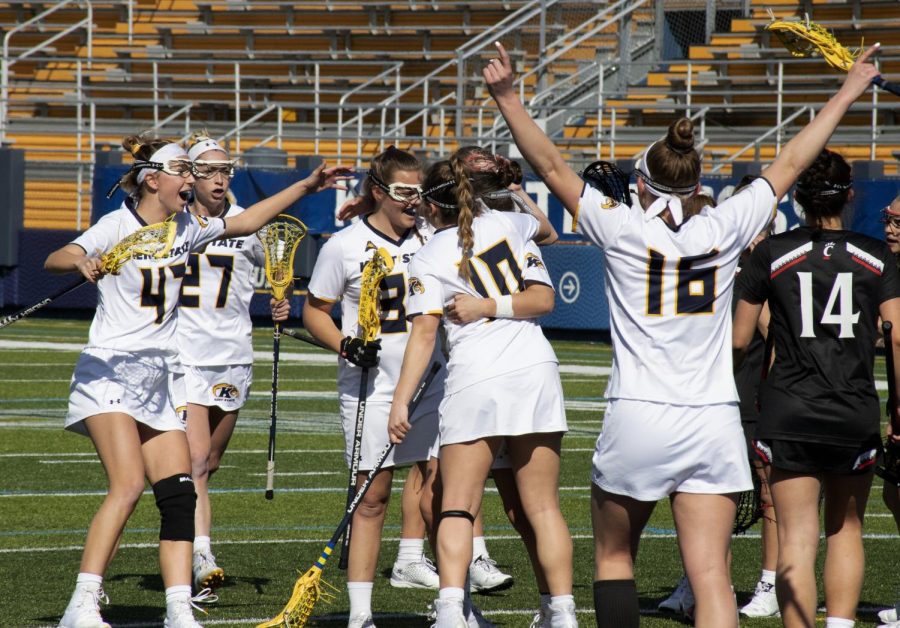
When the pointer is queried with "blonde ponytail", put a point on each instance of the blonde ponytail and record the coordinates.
(465, 199)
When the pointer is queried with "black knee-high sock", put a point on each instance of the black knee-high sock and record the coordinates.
(616, 604)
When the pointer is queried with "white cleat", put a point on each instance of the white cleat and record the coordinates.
(681, 601)
(207, 574)
(180, 614)
(562, 615)
(889, 615)
(361, 620)
(418, 575)
(83, 610)
(448, 614)
(484, 576)
(764, 602)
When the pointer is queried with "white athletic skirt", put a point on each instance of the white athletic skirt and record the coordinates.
(224, 386)
(143, 385)
(415, 447)
(526, 401)
(650, 450)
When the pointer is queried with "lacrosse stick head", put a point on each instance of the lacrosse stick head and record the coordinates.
(308, 590)
(154, 240)
(889, 469)
(280, 239)
(609, 179)
(750, 507)
(373, 272)
(803, 39)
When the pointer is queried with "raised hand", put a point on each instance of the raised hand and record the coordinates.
(498, 74)
(356, 206)
(861, 74)
(323, 178)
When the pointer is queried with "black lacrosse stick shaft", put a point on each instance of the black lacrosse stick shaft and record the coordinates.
(354, 460)
(287, 331)
(31, 309)
(886, 85)
(270, 467)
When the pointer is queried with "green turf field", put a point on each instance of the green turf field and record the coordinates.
(52, 483)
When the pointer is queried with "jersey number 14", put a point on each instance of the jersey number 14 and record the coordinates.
(840, 298)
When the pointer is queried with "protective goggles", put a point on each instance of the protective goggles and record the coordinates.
(207, 169)
(889, 218)
(400, 192)
(176, 167)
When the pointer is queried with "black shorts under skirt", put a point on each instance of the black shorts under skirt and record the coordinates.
(803, 457)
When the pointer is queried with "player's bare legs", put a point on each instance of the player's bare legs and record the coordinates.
(891, 495)
(769, 524)
(704, 523)
(845, 504)
(209, 430)
(166, 454)
(464, 468)
(368, 520)
(796, 498)
(118, 444)
(412, 525)
(430, 499)
(509, 494)
(535, 460)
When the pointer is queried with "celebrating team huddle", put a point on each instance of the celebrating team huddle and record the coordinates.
(462, 282)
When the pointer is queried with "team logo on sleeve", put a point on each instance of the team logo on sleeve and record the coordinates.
(181, 413)
(203, 220)
(608, 203)
(415, 286)
(225, 392)
(533, 261)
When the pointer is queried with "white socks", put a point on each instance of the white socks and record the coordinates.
(767, 576)
(838, 622)
(202, 544)
(178, 594)
(451, 604)
(479, 548)
(411, 551)
(360, 598)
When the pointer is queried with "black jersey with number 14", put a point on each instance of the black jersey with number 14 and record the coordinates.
(824, 289)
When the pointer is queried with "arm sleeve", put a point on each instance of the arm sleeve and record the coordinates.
(753, 282)
(534, 269)
(599, 218)
(425, 293)
(101, 237)
(327, 281)
(890, 278)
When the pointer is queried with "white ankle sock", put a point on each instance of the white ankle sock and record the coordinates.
(88, 581)
(360, 597)
(202, 544)
(556, 600)
(177, 594)
(838, 622)
(479, 548)
(451, 593)
(767, 576)
(411, 551)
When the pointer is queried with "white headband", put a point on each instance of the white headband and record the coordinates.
(163, 155)
(204, 145)
(666, 198)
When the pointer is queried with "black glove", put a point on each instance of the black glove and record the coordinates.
(360, 352)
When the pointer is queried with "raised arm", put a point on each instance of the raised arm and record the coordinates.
(533, 143)
(260, 213)
(800, 152)
(535, 210)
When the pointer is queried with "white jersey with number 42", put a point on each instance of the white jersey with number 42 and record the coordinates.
(214, 326)
(136, 308)
(669, 293)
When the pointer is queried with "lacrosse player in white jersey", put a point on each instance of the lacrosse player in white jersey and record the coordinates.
(215, 337)
(673, 425)
(393, 184)
(503, 383)
(122, 393)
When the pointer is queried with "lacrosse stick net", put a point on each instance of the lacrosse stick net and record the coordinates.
(373, 272)
(280, 239)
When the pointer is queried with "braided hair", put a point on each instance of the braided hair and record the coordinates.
(824, 188)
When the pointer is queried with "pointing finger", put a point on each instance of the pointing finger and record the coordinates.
(504, 57)
(868, 53)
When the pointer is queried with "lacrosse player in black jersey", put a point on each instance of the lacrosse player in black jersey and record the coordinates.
(819, 423)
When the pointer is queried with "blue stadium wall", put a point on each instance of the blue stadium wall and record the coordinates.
(576, 267)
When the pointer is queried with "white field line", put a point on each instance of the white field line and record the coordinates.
(298, 473)
(392, 539)
(231, 452)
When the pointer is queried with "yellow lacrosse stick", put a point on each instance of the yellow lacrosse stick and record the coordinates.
(154, 241)
(375, 270)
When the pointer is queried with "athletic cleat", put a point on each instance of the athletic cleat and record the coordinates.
(361, 620)
(562, 615)
(681, 601)
(476, 620)
(888, 615)
(764, 602)
(540, 620)
(417, 575)
(448, 614)
(83, 610)
(207, 574)
(891, 624)
(484, 576)
(181, 616)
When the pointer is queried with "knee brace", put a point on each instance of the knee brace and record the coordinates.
(176, 500)
(463, 514)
